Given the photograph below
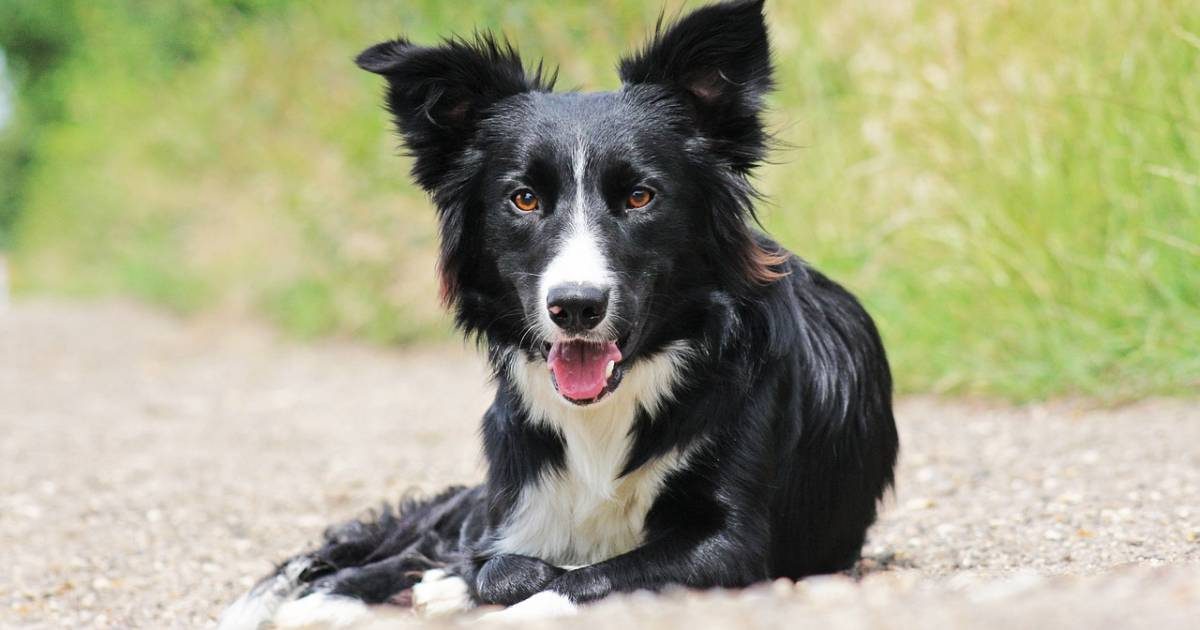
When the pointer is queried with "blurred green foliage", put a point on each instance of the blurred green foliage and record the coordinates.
(34, 41)
(1013, 187)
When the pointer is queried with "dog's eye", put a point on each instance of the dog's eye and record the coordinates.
(525, 200)
(638, 198)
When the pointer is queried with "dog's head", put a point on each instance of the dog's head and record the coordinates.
(591, 229)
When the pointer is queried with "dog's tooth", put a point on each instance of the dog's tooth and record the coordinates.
(608, 369)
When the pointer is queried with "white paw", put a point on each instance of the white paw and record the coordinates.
(544, 605)
(321, 610)
(249, 612)
(254, 609)
(439, 594)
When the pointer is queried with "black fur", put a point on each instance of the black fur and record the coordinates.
(787, 402)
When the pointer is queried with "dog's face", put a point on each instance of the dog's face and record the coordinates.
(585, 209)
(590, 230)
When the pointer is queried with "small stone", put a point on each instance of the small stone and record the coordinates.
(919, 503)
(782, 587)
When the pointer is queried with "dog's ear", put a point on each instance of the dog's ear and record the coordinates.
(719, 60)
(437, 94)
(437, 97)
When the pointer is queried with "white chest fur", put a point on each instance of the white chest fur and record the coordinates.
(583, 513)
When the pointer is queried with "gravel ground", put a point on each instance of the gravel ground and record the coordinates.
(150, 469)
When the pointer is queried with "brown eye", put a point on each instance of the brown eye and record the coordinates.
(638, 198)
(525, 200)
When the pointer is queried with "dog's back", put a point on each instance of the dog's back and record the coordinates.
(836, 425)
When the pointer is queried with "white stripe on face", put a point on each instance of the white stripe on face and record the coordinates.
(580, 259)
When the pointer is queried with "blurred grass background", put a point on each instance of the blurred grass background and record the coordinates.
(1013, 187)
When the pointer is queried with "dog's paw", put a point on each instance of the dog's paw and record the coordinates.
(321, 610)
(247, 613)
(439, 594)
(256, 608)
(544, 605)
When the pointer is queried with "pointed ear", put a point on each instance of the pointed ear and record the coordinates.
(437, 95)
(719, 60)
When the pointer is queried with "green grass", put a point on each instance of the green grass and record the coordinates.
(1012, 187)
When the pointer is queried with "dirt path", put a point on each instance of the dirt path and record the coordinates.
(150, 469)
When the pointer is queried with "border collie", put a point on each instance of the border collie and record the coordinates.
(679, 400)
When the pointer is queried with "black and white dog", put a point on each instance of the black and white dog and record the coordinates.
(679, 400)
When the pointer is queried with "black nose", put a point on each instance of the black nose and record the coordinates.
(577, 307)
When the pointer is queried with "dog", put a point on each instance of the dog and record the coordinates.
(679, 400)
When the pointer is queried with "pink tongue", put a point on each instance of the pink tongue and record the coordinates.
(579, 367)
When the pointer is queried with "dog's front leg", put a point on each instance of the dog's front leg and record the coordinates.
(721, 559)
(510, 578)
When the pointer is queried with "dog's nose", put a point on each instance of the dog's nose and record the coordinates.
(577, 308)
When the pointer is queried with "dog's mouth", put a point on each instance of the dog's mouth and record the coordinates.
(583, 371)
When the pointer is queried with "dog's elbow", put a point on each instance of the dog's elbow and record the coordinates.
(725, 561)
